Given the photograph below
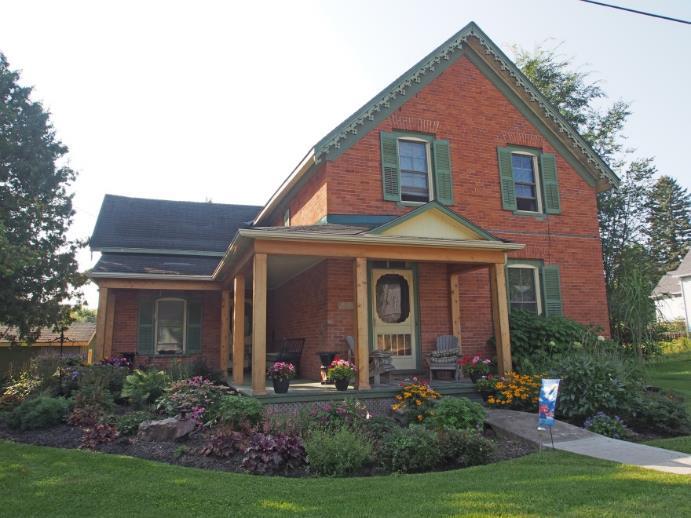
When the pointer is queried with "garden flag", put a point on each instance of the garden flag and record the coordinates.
(547, 403)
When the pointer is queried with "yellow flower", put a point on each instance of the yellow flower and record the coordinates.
(418, 402)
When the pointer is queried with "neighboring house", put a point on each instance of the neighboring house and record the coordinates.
(455, 195)
(77, 340)
(672, 294)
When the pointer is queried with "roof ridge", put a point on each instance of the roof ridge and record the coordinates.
(139, 198)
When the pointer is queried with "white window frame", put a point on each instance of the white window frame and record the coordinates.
(184, 324)
(286, 218)
(538, 181)
(537, 281)
(430, 181)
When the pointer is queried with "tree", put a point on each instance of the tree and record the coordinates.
(38, 267)
(84, 314)
(669, 223)
(622, 212)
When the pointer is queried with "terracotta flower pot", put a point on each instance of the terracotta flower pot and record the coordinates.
(281, 385)
(342, 384)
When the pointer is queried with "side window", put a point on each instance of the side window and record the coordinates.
(286, 218)
(170, 326)
(415, 168)
(524, 288)
(534, 288)
(528, 181)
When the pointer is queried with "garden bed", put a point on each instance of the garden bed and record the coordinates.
(186, 452)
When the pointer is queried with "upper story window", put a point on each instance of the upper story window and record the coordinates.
(413, 157)
(170, 326)
(416, 168)
(528, 181)
(286, 218)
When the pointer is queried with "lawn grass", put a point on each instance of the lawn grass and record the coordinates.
(675, 443)
(39, 481)
(673, 372)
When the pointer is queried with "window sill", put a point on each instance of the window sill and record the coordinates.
(411, 203)
(536, 215)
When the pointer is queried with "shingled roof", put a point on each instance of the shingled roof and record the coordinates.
(151, 264)
(138, 223)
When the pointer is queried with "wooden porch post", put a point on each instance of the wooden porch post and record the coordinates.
(259, 326)
(361, 319)
(239, 330)
(225, 333)
(455, 306)
(101, 317)
(108, 332)
(500, 316)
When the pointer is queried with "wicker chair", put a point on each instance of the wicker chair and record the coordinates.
(445, 357)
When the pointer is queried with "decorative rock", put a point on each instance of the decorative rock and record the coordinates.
(169, 429)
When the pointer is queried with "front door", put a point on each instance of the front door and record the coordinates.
(393, 315)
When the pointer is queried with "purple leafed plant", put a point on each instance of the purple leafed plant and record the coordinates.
(272, 454)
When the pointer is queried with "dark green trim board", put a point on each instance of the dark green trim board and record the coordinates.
(371, 220)
(434, 205)
(429, 68)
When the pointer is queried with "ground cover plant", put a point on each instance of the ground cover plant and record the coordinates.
(39, 481)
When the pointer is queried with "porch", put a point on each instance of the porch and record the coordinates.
(325, 282)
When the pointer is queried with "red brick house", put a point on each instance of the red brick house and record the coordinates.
(456, 194)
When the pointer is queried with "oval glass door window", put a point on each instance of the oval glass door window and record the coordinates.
(393, 298)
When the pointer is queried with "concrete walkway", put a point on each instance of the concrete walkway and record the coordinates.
(571, 438)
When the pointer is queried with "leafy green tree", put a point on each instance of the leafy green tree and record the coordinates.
(669, 223)
(84, 314)
(622, 212)
(38, 268)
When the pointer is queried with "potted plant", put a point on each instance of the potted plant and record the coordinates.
(341, 372)
(475, 367)
(486, 386)
(281, 373)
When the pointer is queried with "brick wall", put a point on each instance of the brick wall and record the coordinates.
(126, 320)
(298, 310)
(464, 107)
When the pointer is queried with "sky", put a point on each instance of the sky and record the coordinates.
(220, 100)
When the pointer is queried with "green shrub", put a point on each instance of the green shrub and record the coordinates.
(128, 424)
(337, 454)
(592, 384)
(93, 388)
(376, 428)
(197, 397)
(410, 449)
(605, 425)
(662, 413)
(144, 387)
(238, 412)
(40, 412)
(19, 389)
(113, 376)
(179, 370)
(333, 416)
(464, 447)
(456, 412)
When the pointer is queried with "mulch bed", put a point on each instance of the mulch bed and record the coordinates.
(185, 452)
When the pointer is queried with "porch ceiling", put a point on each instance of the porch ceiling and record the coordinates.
(282, 268)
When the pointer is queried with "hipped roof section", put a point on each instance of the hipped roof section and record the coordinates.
(417, 77)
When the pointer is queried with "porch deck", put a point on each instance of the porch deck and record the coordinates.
(302, 390)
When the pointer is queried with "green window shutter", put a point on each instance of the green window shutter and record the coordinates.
(194, 327)
(443, 187)
(508, 188)
(145, 337)
(551, 287)
(390, 173)
(550, 185)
